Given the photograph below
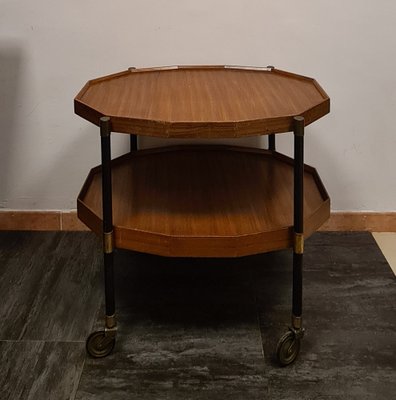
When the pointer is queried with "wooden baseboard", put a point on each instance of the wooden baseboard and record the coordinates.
(68, 221)
(361, 221)
(40, 221)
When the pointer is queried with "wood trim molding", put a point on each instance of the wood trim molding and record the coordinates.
(361, 221)
(30, 220)
(68, 221)
(16, 220)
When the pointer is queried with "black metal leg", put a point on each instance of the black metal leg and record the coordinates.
(289, 344)
(108, 247)
(133, 140)
(271, 142)
(101, 343)
(298, 221)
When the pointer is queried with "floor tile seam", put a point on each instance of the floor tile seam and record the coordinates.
(258, 323)
(260, 333)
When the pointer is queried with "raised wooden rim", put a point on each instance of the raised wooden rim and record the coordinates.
(205, 246)
(67, 220)
(192, 129)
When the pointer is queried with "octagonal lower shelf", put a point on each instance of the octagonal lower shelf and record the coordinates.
(203, 201)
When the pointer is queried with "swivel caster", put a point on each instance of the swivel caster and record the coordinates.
(99, 345)
(288, 348)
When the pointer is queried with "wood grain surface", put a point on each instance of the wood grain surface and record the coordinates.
(202, 101)
(207, 201)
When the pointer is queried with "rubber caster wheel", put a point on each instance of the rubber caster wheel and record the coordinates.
(99, 345)
(288, 348)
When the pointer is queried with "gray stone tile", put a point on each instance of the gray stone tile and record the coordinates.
(333, 248)
(348, 316)
(50, 284)
(349, 350)
(339, 364)
(40, 370)
(179, 360)
(187, 330)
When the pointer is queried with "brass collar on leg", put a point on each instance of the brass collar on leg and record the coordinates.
(110, 326)
(296, 322)
(299, 243)
(110, 321)
(108, 242)
(105, 126)
(299, 124)
(297, 327)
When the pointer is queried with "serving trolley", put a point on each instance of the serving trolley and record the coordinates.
(203, 200)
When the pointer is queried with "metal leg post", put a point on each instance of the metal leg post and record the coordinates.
(133, 142)
(271, 142)
(298, 222)
(101, 343)
(289, 344)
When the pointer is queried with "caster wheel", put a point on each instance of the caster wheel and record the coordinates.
(99, 345)
(288, 348)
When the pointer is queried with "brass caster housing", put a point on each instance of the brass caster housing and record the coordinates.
(100, 344)
(288, 347)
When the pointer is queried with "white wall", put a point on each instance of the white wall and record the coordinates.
(49, 49)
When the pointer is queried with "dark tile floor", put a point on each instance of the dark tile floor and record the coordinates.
(193, 328)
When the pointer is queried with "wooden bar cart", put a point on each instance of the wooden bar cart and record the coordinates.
(203, 200)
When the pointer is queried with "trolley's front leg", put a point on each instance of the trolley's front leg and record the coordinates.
(101, 343)
(289, 344)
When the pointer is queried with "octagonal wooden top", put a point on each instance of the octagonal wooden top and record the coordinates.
(202, 101)
(203, 201)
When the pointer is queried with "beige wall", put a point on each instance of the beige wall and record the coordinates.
(49, 49)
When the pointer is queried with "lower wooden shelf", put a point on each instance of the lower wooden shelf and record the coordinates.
(203, 201)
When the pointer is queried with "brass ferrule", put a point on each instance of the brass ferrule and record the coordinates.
(298, 243)
(299, 124)
(110, 321)
(108, 242)
(105, 126)
(296, 322)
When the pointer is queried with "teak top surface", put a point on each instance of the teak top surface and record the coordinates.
(209, 201)
(202, 101)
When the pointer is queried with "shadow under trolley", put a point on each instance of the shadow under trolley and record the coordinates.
(203, 200)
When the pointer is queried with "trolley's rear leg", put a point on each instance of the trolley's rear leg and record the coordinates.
(289, 344)
(271, 142)
(101, 343)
